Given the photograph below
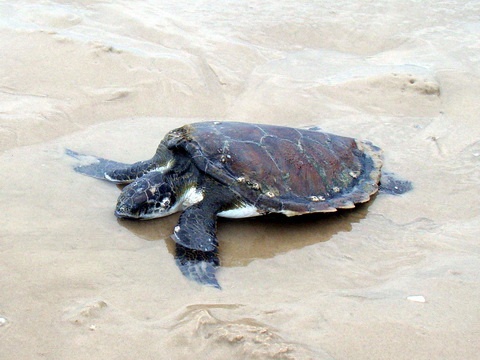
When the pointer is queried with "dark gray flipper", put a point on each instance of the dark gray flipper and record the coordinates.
(196, 248)
(390, 184)
(195, 234)
(196, 228)
(99, 166)
(199, 266)
(111, 170)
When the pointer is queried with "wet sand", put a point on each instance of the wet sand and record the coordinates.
(397, 278)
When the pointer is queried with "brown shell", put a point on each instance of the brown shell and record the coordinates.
(282, 169)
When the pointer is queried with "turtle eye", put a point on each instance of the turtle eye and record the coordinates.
(165, 202)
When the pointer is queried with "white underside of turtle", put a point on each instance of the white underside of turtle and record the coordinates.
(243, 211)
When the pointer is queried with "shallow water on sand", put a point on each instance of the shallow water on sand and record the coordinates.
(111, 79)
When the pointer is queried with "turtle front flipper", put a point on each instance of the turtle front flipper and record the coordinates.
(196, 248)
(196, 265)
(122, 173)
(195, 234)
(196, 228)
(110, 170)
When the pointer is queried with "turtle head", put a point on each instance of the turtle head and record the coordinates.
(148, 197)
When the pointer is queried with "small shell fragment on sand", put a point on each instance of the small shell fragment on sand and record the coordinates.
(3, 321)
(416, 298)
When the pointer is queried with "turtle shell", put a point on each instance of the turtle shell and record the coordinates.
(282, 169)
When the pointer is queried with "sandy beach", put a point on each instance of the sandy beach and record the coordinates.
(397, 278)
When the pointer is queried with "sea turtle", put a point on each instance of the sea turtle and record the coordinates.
(237, 170)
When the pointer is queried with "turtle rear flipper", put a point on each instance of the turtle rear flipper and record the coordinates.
(392, 185)
(110, 170)
(196, 265)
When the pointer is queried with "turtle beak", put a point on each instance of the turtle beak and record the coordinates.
(122, 212)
